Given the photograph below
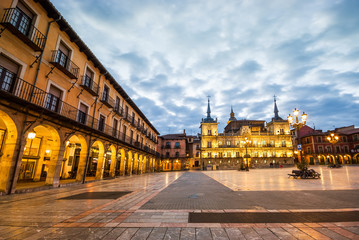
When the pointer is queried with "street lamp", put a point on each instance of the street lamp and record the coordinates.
(333, 139)
(298, 125)
(246, 142)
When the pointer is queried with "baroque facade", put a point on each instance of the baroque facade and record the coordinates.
(244, 143)
(62, 115)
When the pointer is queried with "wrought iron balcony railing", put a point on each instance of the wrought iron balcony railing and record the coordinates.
(20, 25)
(107, 100)
(61, 61)
(89, 85)
(27, 92)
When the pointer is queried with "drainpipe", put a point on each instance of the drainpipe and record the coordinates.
(12, 182)
(41, 55)
(93, 121)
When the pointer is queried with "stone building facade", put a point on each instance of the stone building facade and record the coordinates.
(62, 114)
(317, 150)
(244, 143)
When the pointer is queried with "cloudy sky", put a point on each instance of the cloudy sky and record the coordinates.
(169, 55)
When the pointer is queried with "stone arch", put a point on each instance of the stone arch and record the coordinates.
(330, 159)
(8, 142)
(135, 163)
(321, 159)
(74, 160)
(123, 159)
(110, 161)
(129, 166)
(42, 155)
(355, 159)
(347, 159)
(140, 159)
(340, 159)
(95, 162)
(144, 163)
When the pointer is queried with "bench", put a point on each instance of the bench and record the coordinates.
(304, 174)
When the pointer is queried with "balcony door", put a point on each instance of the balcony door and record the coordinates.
(22, 18)
(8, 70)
(63, 54)
(53, 99)
(82, 115)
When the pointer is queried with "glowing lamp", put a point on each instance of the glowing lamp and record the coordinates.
(31, 135)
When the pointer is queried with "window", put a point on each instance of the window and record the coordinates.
(209, 154)
(228, 143)
(320, 149)
(101, 123)
(355, 137)
(22, 18)
(197, 154)
(220, 154)
(88, 78)
(62, 56)
(319, 139)
(283, 143)
(237, 154)
(133, 117)
(209, 144)
(53, 99)
(114, 127)
(82, 115)
(177, 145)
(105, 93)
(167, 154)
(8, 71)
(308, 150)
(229, 154)
(209, 132)
(126, 111)
(117, 104)
(307, 140)
(197, 147)
(168, 144)
(337, 149)
(131, 136)
(345, 139)
(272, 143)
(346, 149)
(264, 154)
(177, 154)
(138, 122)
(124, 132)
(329, 149)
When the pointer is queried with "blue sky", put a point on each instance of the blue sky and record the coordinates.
(170, 54)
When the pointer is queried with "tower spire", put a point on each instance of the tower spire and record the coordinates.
(232, 117)
(209, 109)
(276, 116)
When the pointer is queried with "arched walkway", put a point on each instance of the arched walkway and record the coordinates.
(94, 168)
(109, 162)
(8, 143)
(74, 160)
(42, 156)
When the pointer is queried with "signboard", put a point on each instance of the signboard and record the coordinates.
(299, 147)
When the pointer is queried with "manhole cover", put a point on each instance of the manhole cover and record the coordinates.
(96, 195)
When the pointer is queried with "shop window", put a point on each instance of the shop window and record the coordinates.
(8, 72)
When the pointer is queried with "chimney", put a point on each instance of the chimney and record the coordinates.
(184, 131)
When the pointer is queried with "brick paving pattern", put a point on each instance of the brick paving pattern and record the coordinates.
(43, 215)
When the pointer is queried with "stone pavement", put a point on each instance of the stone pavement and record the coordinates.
(162, 206)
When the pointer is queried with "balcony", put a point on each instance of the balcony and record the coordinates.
(89, 85)
(64, 64)
(119, 110)
(107, 100)
(15, 21)
(22, 92)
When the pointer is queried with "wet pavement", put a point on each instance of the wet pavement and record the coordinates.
(162, 206)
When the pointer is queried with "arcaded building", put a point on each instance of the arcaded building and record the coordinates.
(63, 116)
(252, 143)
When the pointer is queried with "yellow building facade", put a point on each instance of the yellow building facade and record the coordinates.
(63, 116)
(245, 143)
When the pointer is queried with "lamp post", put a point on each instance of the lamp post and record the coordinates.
(246, 142)
(298, 125)
(333, 139)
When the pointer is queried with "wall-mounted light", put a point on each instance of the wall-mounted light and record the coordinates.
(31, 135)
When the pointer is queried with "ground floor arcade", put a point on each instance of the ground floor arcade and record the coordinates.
(35, 150)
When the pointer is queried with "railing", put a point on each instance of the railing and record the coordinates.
(36, 96)
(107, 100)
(19, 24)
(62, 62)
(88, 84)
(117, 109)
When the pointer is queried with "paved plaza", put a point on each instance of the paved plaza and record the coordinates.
(259, 204)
